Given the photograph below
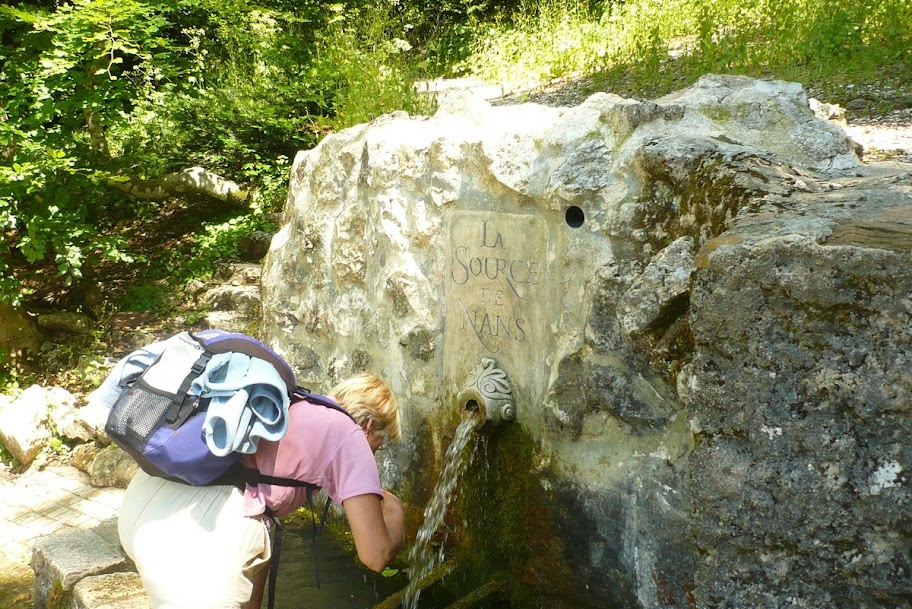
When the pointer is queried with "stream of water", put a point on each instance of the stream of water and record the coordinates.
(422, 556)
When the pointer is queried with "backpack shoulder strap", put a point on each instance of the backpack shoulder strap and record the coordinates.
(303, 393)
(177, 407)
(240, 475)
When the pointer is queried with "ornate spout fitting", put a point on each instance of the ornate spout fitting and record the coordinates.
(488, 391)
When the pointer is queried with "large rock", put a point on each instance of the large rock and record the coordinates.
(92, 418)
(701, 303)
(64, 416)
(24, 424)
(66, 322)
(112, 467)
(801, 389)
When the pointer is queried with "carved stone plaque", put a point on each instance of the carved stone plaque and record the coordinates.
(497, 293)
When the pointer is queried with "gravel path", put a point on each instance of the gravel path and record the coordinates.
(884, 138)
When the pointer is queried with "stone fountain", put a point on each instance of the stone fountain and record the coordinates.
(701, 307)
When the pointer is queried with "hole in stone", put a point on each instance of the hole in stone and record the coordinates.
(575, 217)
(471, 406)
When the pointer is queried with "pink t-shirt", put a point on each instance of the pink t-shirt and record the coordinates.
(322, 446)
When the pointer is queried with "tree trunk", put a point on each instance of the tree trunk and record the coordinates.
(96, 133)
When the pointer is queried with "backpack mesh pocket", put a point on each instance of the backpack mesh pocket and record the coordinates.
(136, 415)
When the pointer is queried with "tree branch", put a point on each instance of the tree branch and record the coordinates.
(189, 181)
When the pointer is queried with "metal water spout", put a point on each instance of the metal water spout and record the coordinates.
(487, 391)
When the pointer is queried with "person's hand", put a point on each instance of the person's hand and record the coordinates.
(393, 498)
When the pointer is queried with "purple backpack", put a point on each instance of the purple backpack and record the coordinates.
(159, 422)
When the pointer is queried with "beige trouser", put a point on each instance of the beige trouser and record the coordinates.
(193, 546)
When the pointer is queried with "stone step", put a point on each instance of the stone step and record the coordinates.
(111, 591)
(64, 559)
(232, 321)
(238, 273)
(243, 298)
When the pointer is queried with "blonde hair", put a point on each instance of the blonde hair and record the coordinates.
(366, 395)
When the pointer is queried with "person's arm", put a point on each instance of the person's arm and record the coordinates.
(378, 527)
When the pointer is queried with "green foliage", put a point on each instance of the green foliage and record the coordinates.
(91, 372)
(7, 458)
(273, 81)
(542, 41)
(362, 61)
(9, 375)
(250, 102)
(272, 178)
(215, 241)
(102, 91)
(57, 597)
(57, 445)
(83, 64)
(440, 31)
(148, 297)
(652, 46)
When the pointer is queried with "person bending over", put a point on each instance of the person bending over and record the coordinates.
(209, 547)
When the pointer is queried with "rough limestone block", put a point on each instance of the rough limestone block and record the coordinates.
(112, 467)
(61, 560)
(701, 302)
(18, 334)
(92, 417)
(233, 298)
(23, 424)
(63, 415)
(665, 282)
(803, 397)
(111, 591)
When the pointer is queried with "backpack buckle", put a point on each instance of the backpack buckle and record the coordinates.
(200, 364)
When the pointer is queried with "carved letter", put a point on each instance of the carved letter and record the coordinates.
(533, 273)
(485, 322)
(520, 332)
(475, 266)
(498, 240)
(501, 324)
(465, 269)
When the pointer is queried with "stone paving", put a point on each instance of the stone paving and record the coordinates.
(39, 503)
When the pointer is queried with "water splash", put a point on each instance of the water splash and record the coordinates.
(422, 557)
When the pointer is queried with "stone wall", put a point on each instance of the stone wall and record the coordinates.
(702, 303)
(800, 391)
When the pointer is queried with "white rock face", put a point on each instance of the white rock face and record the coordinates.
(459, 228)
(63, 415)
(772, 116)
(566, 244)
